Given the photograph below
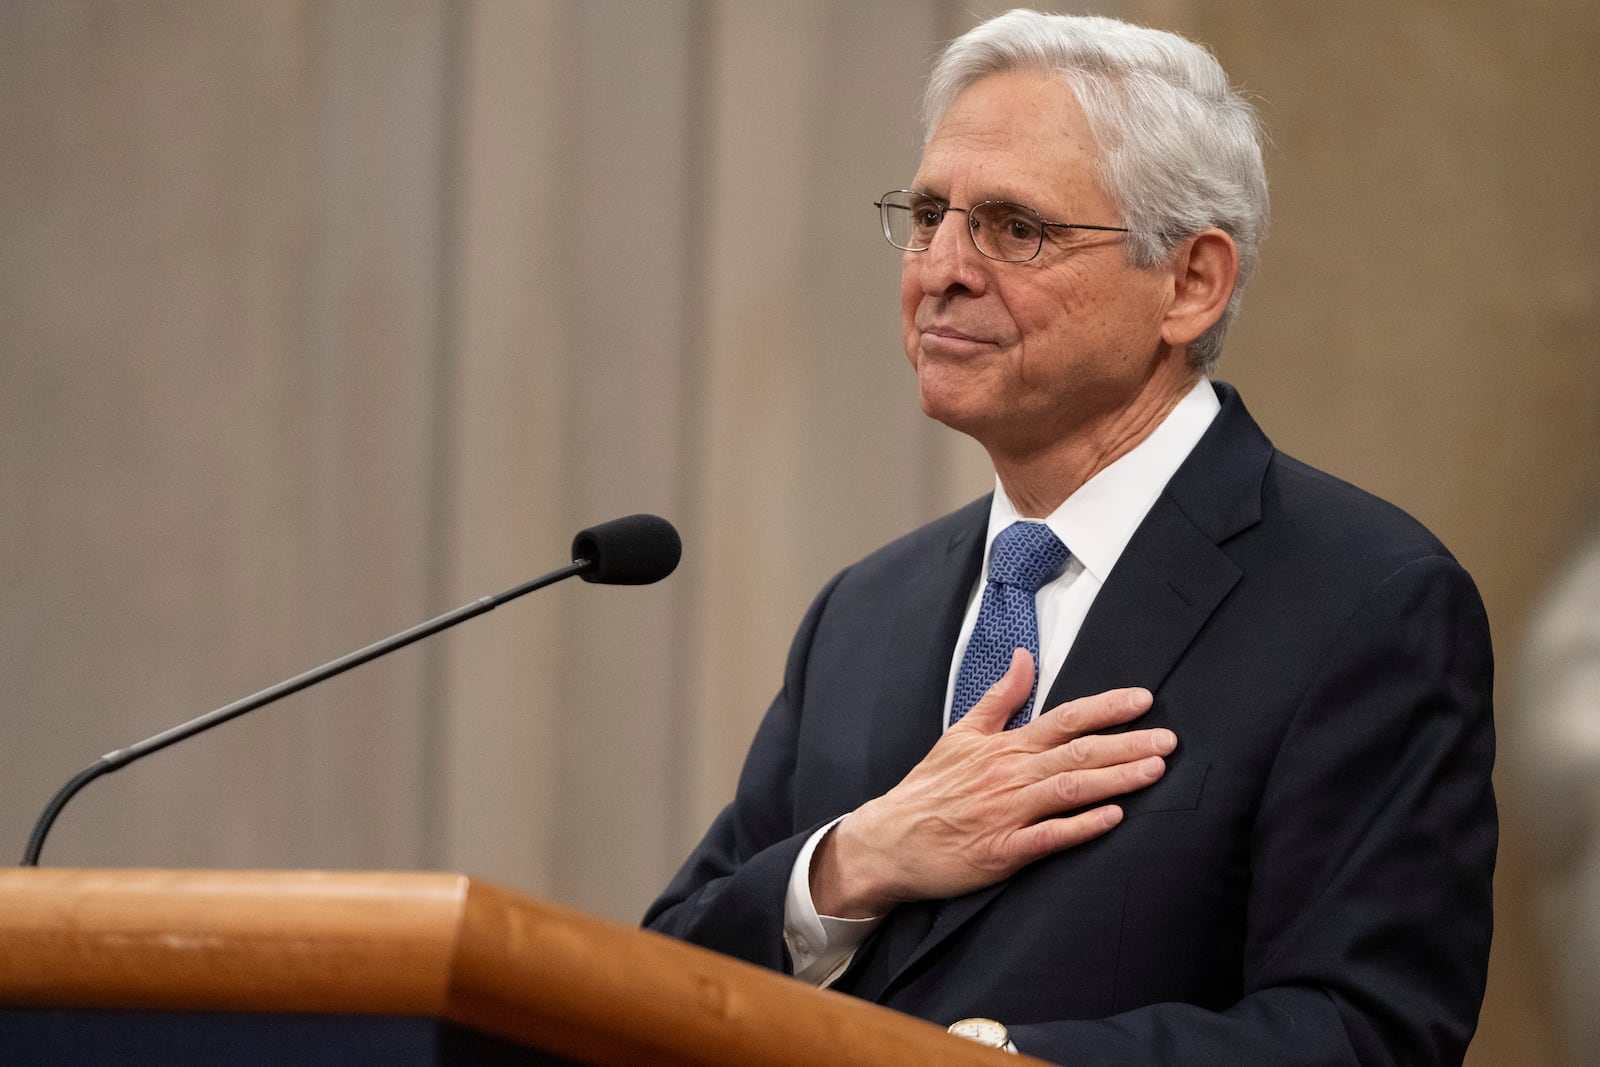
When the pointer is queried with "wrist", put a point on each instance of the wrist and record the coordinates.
(840, 879)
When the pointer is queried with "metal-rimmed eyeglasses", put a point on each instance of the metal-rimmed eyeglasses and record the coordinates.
(1000, 229)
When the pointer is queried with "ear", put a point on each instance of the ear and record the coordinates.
(1204, 269)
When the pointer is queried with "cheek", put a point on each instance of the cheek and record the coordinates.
(910, 297)
(910, 287)
(1064, 308)
(1044, 319)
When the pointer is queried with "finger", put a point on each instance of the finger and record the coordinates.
(1106, 750)
(1004, 697)
(1092, 713)
(1076, 789)
(1055, 835)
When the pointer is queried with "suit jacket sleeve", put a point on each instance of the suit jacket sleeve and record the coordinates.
(729, 895)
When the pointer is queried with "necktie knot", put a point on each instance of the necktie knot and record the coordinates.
(1026, 555)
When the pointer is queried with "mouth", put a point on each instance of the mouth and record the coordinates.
(941, 339)
(948, 331)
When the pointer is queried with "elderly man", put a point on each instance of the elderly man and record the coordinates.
(1173, 750)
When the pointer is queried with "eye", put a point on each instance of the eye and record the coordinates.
(1018, 224)
(1006, 231)
(926, 214)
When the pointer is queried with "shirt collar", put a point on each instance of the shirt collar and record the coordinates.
(1098, 520)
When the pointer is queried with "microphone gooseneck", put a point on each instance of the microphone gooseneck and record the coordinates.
(634, 550)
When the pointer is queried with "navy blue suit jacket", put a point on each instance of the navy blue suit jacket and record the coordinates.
(1309, 883)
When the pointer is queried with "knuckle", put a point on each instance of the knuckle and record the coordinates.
(1068, 787)
(1069, 719)
(1079, 752)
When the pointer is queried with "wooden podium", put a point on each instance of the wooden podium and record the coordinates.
(176, 967)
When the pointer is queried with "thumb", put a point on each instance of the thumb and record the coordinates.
(1004, 697)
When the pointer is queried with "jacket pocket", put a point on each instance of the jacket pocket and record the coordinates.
(1179, 789)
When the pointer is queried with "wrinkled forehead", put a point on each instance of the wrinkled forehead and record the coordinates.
(1019, 135)
(1037, 90)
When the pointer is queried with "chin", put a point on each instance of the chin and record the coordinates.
(963, 417)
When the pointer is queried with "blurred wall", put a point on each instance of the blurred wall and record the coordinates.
(318, 317)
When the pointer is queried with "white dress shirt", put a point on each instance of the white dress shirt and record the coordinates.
(1095, 523)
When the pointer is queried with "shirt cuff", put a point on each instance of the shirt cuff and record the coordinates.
(820, 946)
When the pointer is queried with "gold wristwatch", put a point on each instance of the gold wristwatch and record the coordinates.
(985, 1032)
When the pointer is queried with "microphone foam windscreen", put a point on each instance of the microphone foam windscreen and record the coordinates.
(632, 550)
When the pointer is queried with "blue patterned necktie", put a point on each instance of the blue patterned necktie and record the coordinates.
(1025, 555)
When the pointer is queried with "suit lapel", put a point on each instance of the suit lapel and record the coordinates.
(1173, 574)
(1167, 583)
(1163, 589)
(906, 722)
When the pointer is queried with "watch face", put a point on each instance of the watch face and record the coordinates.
(985, 1032)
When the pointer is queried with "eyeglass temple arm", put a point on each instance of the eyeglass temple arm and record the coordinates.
(1086, 226)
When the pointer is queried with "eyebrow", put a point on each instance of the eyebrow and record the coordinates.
(984, 199)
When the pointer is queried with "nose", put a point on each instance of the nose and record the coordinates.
(952, 264)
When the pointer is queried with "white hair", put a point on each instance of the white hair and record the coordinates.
(1180, 150)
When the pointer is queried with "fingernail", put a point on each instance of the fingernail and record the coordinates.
(1152, 767)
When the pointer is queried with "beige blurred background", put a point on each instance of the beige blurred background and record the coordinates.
(319, 317)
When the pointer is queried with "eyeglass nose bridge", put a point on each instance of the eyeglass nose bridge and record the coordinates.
(970, 226)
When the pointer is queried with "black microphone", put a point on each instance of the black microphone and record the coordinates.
(633, 550)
